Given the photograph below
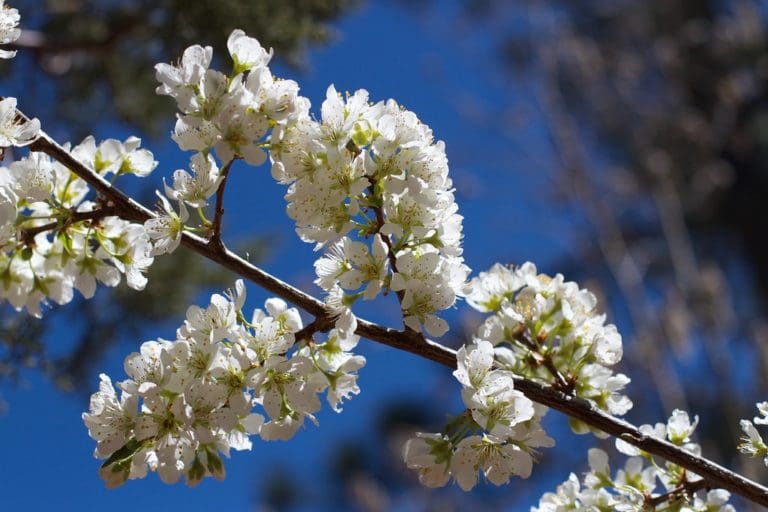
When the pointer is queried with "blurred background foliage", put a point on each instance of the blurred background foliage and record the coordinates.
(655, 116)
(99, 55)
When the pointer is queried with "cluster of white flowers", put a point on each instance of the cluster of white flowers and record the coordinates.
(190, 399)
(54, 240)
(548, 330)
(230, 115)
(9, 28)
(752, 443)
(14, 131)
(497, 435)
(374, 170)
(541, 328)
(633, 488)
(369, 168)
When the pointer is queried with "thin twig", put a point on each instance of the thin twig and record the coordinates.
(215, 239)
(388, 242)
(715, 475)
(684, 490)
(545, 360)
(27, 235)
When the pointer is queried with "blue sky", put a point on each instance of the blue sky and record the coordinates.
(448, 81)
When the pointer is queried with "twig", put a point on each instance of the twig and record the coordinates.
(685, 489)
(215, 239)
(561, 384)
(715, 475)
(390, 253)
(27, 235)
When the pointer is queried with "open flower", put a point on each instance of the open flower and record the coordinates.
(13, 130)
(166, 229)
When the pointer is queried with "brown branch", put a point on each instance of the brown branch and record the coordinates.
(319, 324)
(27, 235)
(379, 211)
(715, 475)
(561, 383)
(215, 239)
(685, 490)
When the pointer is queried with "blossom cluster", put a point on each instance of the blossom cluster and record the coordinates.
(375, 172)
(497, 434)
(546, 329)
(189, 400)
(371, 171)
(541, 328)
(14, 131)
(9, 28)
(53, 239)
(634, 488)
(752, 443)
(229, 115)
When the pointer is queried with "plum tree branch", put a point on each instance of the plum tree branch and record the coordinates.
(715, 475)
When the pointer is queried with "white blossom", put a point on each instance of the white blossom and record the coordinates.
(496, 406)
(246, 52)
(113, 156)
(110, 420)
(430, 455)
(548, 329)
(15, 131)
(497, 461)
(166, 229)
(474, 362)
(9, 31)
(752, 443)
(680, 428)
(196, 189)
(762, 419)
(352, 264)
(182, 82)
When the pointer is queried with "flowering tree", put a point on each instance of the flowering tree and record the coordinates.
(369, 186)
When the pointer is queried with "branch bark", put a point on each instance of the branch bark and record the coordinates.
(715, 475)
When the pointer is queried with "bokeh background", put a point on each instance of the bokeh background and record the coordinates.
(623, 143)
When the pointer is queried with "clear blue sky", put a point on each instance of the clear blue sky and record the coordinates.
(446, 77)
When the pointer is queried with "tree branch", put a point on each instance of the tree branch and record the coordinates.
(715, 475)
